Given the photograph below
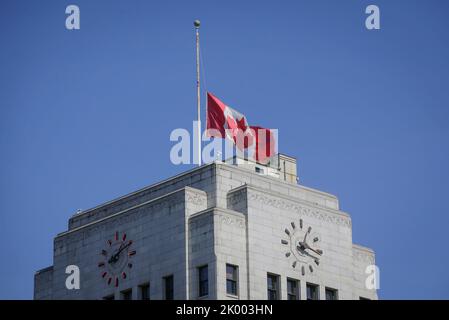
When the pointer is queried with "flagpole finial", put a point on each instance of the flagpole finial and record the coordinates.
(197, 23)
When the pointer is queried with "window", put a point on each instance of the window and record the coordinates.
(203, 281)
(168, 285)
(144, 290)
(109, 297)
(292, 289)
(331, 294)
(232, 280)
(312, 291)
(273, 287)
(127, 294)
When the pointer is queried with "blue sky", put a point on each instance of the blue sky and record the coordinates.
(85, 116)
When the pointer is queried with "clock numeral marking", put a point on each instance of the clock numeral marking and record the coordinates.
(284, 241)
(303, 270)
(104, 274)
(309, 230)
(104, 252)
(131, 253)
(310, 268)
(101, 264)
(130, 242)
(124, 275)
(116, 236)
(294, 264)
(293, 225)
(315, 239)
(317, 262)
(300, 223)
(109, 280)
(130, 265)
(287, 254)
(287, 232)
(116, 281)
(124, 237)
(110, 242)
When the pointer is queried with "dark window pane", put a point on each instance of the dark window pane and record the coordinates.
(331, 294)
(231, 287)
(231, 272)
(312, 292)
(145, 291)
(231, 279)
(272, 287)
(203, 277)
(292, 289)
(168, 287)
(127, 294)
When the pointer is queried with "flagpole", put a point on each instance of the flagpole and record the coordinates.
(196, 23)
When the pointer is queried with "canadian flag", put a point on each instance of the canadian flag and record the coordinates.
(224, 122)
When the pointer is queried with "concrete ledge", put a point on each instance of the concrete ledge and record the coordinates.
(219, 210)
(44, 270)
(362, 248)
(149, 202)
(76, 219)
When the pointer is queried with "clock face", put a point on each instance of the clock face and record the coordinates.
(302, 244)
(116, 259)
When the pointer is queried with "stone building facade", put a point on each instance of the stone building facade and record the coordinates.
(219, 231)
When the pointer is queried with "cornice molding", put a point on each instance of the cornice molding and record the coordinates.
(282, 202)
